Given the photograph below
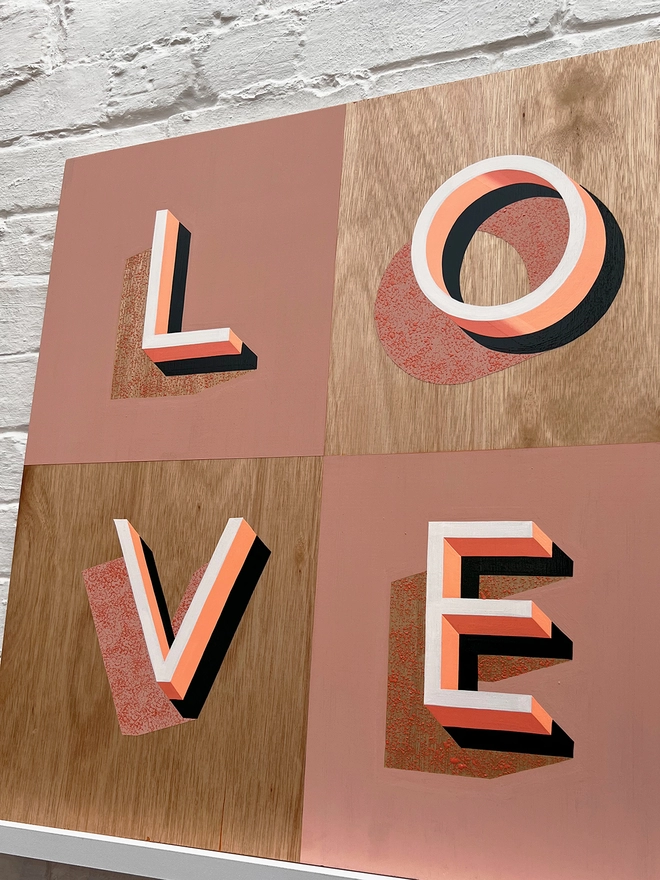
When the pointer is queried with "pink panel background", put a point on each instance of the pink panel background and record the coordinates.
(596, 816)
(261, 202)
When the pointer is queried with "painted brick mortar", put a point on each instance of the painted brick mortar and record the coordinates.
(80, 76)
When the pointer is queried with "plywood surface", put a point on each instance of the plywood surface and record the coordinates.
(594, 117)
(261, 203)
(594, 817)
(231, 780)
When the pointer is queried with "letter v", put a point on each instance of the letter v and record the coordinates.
(185, 666)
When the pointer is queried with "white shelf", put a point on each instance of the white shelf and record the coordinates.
(154, 860)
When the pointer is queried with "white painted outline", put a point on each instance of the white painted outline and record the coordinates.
(437, 606)
(160, 861)
(577, 217)
(165, 665)
(151, 340)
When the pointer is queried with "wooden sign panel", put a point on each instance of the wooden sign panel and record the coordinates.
(337, 531)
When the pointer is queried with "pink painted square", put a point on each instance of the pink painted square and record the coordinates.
(594, 816)
(261, 202)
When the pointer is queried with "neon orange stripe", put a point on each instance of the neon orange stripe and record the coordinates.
(536, 721)
(450, 656)
(539, 545)
(451, 572)
(456, 203)
(167, 273)
(568, 296)
(195, 350)
(211, 612)
(538, 626)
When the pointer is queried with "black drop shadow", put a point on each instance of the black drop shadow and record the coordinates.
(226, 363)
(229, 363)
(555, 744)
(473, 567)
(175, 318)
(583, 317)
(218, 645)
(158, 592)
(471, 647)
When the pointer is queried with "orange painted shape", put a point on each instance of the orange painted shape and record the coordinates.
(457, 202)
(538, 545)
(196, 350)
(149, 591)
(565, 298)
(568, 296)
(167, 273)
(536, 721)
(537, 626)
(450, 656)
(451, 572)
(210, 614)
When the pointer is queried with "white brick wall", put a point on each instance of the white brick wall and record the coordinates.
(79, 76)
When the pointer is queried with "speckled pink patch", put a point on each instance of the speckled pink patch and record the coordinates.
(413, 738)
(141, 705)
(421, 339)
(427, 344)
(537, 229)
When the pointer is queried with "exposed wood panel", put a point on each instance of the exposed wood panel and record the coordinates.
(232, 779)
(596, 118)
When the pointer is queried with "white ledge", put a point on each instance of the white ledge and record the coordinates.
(159, 861)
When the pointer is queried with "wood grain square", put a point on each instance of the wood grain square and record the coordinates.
(596, 118)
(230, 780)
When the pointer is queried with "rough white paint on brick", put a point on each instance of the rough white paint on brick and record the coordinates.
(26, 244)
(31, 175)
(23, 39)
(265, 51)
(111, 26)
(154, 81)
(12, 453)
(303, 95)
(367, 34)
(8, 514)
(16, 386)
(572, 44)
(4, 592)
(81, 76)
(22, 302)
(582, 11)
(68, 98)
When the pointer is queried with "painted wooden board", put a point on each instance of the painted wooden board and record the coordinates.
(578, 817)
(260, 202)
(413, 340)
(596, 118)
(230, 780)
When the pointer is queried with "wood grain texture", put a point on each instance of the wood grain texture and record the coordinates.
(230, 780)
(414, 739)
(508, 278)
(596, 118)
(134, 374)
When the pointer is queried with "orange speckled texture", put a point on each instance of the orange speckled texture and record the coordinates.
(414, 740)
(537, 229)
(422, 340)
(134, 374)
(141, 705)
(425, 342)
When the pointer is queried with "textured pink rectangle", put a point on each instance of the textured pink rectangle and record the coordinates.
(141, 705)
